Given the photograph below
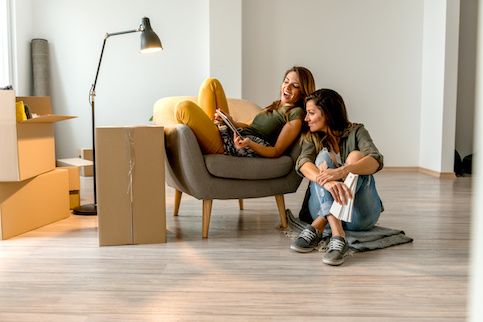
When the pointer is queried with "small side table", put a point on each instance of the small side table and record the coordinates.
(74, 162)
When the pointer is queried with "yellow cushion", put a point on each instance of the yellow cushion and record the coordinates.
(163, 111)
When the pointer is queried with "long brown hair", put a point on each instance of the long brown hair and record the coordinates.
(307, 86)
(332, 106)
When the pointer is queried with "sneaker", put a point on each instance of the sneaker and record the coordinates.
(336, 251)
(308, 239)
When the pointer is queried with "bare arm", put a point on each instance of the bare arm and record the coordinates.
(365, 166)
(287, 136)
(310, 171)
(339, 191)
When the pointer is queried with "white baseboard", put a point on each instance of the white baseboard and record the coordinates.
(441, 175)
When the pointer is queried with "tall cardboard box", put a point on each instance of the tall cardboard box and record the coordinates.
(32, 203)
(27, 148)
(130, 185)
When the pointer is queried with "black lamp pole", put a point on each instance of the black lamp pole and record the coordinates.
(149, 43)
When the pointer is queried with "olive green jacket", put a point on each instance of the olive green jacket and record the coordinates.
(355, 137)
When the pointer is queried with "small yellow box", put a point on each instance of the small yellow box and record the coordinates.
(20, 110)
(74, 196)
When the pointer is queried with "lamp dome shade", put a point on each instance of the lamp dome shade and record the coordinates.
(149, 40)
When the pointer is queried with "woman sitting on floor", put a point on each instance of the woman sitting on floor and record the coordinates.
(333, 147)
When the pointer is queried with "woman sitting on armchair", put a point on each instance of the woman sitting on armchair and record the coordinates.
(272, 130)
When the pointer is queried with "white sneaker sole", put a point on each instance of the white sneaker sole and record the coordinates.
(333, 263)
(301, 250)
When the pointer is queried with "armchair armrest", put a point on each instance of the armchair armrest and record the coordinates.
(184, 160)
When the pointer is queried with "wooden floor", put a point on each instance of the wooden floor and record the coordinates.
(245, 271)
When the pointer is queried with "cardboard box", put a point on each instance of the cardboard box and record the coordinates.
(27, 148)
(74, 184)
(33, 203)
(74, 177)
(86, 171)
(130, 185)
(74, 199)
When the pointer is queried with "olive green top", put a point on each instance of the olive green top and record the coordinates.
(268, 125)
(355, 137)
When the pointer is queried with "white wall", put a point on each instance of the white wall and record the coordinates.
(129, 83)
(22, 32)
(369, 51)
(226, 44)
(475, 290)
(448, 136)
(439, 76)
(466, 77)
(5, 43)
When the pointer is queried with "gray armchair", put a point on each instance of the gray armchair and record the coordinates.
(214, 176)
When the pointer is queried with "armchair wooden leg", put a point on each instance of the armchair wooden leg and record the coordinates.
(177, 202)
(281, 211)
(240, 203)
(206, 215)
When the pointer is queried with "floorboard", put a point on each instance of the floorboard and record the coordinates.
(245, 271)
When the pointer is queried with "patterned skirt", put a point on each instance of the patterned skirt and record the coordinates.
(229, 145)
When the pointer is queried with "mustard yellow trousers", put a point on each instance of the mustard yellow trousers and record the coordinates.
(199, 117)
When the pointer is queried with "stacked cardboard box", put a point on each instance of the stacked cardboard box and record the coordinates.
(32, 192)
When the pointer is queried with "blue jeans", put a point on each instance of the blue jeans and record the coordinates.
(367, 203)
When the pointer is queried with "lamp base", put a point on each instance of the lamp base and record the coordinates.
(86, 210)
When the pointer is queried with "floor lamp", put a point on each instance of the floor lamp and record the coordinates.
(149, 43)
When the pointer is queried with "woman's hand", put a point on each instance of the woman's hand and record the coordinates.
(218, 119)
(240, 142)
(339, 191)
(329, 174)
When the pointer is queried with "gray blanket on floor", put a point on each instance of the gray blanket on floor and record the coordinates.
(361, 241)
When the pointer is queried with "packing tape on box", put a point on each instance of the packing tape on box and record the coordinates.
(132, 165)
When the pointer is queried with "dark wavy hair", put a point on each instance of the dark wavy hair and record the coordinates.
(333, 108)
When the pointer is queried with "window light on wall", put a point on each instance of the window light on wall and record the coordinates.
(5, 46)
